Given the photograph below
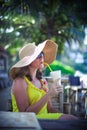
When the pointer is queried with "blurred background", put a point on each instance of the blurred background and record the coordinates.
(28, 21)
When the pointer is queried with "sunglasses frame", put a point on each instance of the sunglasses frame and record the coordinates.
(40, 55)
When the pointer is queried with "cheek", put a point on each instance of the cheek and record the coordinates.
(35, 64)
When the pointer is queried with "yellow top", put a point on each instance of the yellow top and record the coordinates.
(35, 94)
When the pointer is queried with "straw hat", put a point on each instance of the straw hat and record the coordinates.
(30, 52)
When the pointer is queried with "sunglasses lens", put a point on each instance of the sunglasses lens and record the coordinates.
(40, 55)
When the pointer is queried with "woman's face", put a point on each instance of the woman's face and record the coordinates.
(38, 62)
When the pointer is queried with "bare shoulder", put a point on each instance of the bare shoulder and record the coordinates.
(19, 83)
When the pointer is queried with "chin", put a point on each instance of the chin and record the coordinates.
(42, 66)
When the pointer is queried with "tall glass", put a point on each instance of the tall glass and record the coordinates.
(56, 75)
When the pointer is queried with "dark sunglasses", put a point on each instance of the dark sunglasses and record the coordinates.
(40, 55)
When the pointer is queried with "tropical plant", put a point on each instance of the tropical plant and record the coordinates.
(56, 65)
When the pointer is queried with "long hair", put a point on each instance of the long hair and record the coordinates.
(24, 71)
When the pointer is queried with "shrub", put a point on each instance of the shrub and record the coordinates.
(56, 65)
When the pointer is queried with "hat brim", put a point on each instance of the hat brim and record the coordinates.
(48, 47)
(50, 51)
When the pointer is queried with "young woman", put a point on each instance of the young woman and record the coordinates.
(29, 90)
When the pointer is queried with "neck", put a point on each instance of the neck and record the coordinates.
(33, 73)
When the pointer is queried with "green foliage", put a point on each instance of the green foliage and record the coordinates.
(56, 65)
(27, 21)
(36, 21)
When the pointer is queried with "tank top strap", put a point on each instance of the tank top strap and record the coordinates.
(27, 80)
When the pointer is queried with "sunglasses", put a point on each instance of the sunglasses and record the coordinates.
(40, 55)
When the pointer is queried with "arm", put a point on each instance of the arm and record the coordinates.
(50, 107)
(20, 93)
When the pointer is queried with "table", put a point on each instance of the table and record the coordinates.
(28, 121)
(18, 120)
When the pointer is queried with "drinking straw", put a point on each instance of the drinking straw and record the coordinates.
(47, 66)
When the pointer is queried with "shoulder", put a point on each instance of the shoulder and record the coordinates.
(19, 83)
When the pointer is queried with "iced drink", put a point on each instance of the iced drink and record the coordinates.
(56, 75)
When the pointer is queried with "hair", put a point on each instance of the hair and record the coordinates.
(24, 71)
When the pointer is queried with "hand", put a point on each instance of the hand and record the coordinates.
(52, 90)
(55, 88)
(58, 86)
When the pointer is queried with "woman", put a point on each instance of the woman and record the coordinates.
(29, 90)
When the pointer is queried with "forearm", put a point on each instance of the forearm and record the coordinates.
(38, 106)
(51, 108)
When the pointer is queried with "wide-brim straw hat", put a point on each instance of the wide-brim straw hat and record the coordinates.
(30, 52)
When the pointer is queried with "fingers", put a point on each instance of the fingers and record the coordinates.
(55, 89)
(59, 90)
